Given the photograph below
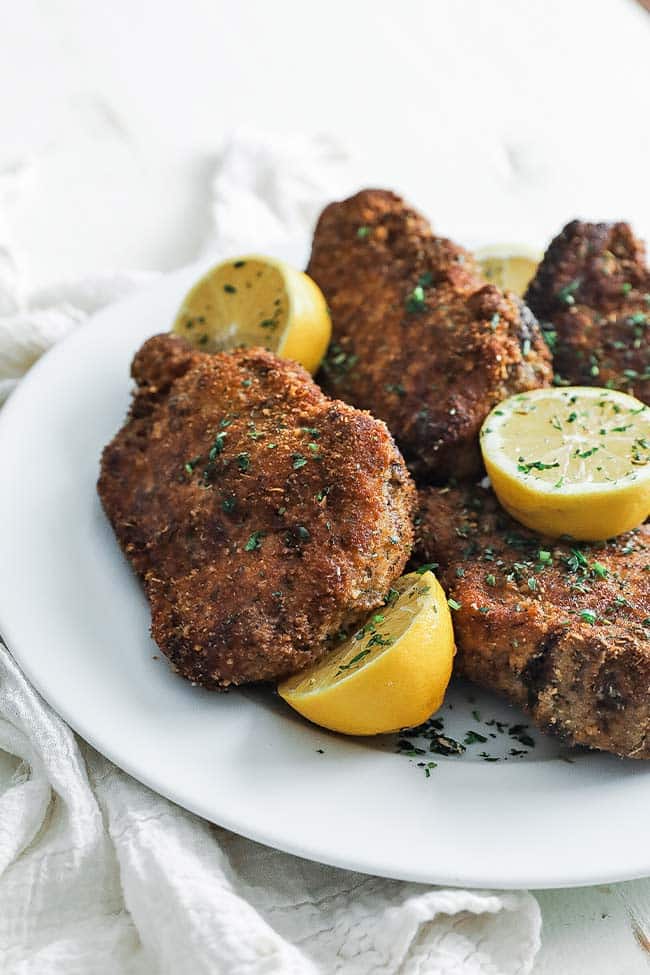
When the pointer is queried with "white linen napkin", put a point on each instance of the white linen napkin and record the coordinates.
(100, 875)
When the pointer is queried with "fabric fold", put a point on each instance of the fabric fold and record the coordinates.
(99, 875)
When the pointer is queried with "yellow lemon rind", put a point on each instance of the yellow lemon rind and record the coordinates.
(400, 687)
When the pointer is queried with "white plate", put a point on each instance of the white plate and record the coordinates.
(75, 618)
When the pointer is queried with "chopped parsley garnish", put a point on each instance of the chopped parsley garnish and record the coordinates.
(588, 616)
(377, 640)
(355, 660)
(415, 301)
(427, 567)
(254, 542)
(243, 461)
(363, 232)
(218, 445)
(453, 604)
(229, 504)
(473, 738)
(230, 289)
(565, 294)
(189, 465)
(534, 465)
(298, 461)
(550, 336)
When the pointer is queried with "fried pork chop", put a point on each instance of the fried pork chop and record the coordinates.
(262, 516)
(561, 629)
(419, 338)
(591, 294)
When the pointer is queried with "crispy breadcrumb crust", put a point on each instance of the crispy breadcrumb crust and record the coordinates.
(419, 338)
(262, 516)
(561, 629)
(591, 294)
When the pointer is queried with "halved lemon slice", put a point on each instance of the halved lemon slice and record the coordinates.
(392, 673)
(510, 266)
(257, 301)
(571, 461)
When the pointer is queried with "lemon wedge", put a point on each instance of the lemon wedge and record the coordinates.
(510, 266)
(392, 673)
(257, 301)
(571, 461)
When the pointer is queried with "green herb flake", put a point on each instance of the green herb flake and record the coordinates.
(243, 461)
(189, 465)
(355, 660)
(218, 445)
(525, 467)
(566, 294)
(298, 461)
(254, 542)
(474, 738)
(453, 604)
(427, 567)
(415, 301)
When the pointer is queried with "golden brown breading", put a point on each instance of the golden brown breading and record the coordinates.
(562, 629)
(591, 294)
(419, 338)
(262, 516)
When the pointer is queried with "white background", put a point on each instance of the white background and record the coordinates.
(501, 120)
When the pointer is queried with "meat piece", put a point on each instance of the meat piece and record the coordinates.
(419, 338)
(561, 629)
(591, 294)
(262, 516)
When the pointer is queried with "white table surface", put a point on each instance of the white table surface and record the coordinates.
(501, 120)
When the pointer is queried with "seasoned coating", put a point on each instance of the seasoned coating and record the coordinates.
(419, 338)
(262, 516)
(561, 629)
(591, 294)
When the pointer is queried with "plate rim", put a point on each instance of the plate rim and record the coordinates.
(12, 409)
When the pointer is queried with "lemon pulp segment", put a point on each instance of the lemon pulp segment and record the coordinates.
(573, 460)
(391, 673)
(257, 301)
(510, 266)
